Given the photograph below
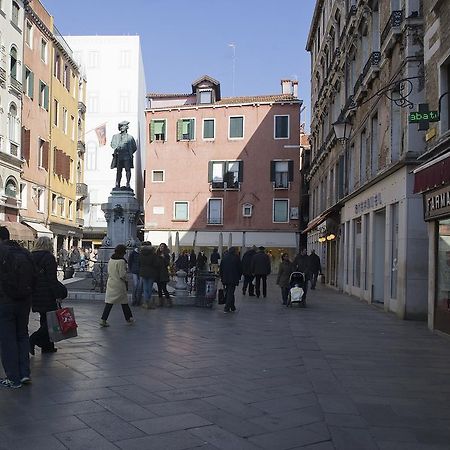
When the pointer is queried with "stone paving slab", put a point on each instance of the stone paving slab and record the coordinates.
(339, 374)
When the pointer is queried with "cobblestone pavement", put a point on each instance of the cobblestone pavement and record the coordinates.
(337, 375)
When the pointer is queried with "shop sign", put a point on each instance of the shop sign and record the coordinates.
(429, 116)
(371, 202)
(437, 203)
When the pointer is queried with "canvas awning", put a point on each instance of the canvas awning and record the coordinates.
(40, 229)
(18, 231)
(432, 174)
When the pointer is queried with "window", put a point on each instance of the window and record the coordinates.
(281, 130)
(374, 145)
(157, 176)
(124, 102)
(215, 211)
(43, 95)
(54, 203)
(72, 127)
(15, 14)
(23, 195)
(92, 105)
(181, 211)
(12, 119)
(65, 121)
(209, 129)
(444, 83)
(13, 62)
(281, 210)
(40, 153)
(66, 77)
(57, 66)
(158, 130)
(205, 97)
(363, 157)
(62, 206)
(44, 50)
(40, 199)
(236, 129)
(247, 210)
(29, 34)
(29, 83)
(55, 112)
(91, 156)
(11, 188)
(225, 174)
(70, 209)
(185, 129)
(396, 132)
(357, 252)
(281, 173)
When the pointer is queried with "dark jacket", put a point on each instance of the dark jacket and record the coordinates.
(133, 262)
(247, 261)
(44, 296)
(149, 265)
(261, 263)
(164, 261)
(182, 263)
(284, 272)
(230, 269)
(302, 264)
(215, 256)
(314, 263)
(192, 260)
(201, 261)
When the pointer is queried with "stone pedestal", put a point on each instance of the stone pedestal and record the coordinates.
(181, 293)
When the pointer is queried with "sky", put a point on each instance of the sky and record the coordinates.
(182, 40)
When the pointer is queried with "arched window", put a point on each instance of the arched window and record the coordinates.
(13, 63)
(11, 188)
(12, 118)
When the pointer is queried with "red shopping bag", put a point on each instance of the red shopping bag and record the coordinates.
(66, 319)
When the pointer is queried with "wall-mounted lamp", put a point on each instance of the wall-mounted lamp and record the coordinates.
(331, 236)
(60, 200)
(322, 239)
(342, 130)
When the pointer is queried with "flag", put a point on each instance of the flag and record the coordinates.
(100, 131)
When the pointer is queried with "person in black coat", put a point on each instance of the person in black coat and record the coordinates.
(133, 267)
(315, 267)
(261, 267)
(247, 272)
(44, 296)
(302, 264)
(230, 274)
(164, 261)
(201, 261)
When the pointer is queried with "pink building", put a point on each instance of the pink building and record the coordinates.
(223, 171)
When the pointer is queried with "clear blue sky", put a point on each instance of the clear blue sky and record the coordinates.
(182, 40)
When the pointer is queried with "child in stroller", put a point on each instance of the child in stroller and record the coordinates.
(297, 294)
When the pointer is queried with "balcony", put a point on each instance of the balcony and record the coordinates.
(82, 191)
(16, 85)
(80, 221)
(350, 17)
(392, 31)
(81, 147)
(2, 74)
(81, 107)
(224, 186)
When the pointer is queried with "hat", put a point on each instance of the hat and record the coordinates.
(124, 122)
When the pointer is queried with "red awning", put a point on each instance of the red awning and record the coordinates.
(432, 174)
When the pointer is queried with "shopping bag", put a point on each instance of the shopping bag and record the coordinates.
(66, 319)
(55, 331)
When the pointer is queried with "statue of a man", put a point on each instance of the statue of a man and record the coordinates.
(124, 147)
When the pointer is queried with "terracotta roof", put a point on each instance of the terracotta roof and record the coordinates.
(257, 99)
(157, 95)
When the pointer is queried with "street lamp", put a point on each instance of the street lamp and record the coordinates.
(342, 130)
(60, 200)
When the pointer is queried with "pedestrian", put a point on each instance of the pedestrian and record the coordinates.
(46, 293)
(214, 261)
(247, 272)
(74, 257)
(230, 274)
(261, 267)
(17, 281)
(201, 261)
(182, 262)
(117, 286)
(302, 264)
(149, 268)
(284, 272)
(315, 267)
(192, 260)
(133, 267)
(63, 255)
(163, 276)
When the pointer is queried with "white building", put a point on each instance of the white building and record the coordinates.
(116, 92)
(11, 56)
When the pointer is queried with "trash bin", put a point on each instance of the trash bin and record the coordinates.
(205, 289)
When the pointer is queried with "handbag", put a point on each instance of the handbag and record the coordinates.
(55, 331)
(66, 319)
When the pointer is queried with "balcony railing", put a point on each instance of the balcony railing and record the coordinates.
(16, 84)
(2, 74)
(82, 190)
(81, 147)
(373, 61)
(14, 149)
(393, 24)
(351, 13)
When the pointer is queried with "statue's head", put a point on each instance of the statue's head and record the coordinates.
(123, 126)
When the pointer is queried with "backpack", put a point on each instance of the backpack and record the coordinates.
(17, 272)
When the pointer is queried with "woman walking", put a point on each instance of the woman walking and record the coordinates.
(284, 273)
(46, 292)
(163, 278)
(116, 287)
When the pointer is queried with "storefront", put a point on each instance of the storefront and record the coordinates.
(433, 181)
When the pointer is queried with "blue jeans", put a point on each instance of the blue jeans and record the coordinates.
(14, 341)
(148, 288)
(137, 289)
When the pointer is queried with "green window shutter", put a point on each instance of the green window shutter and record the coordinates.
(291, 170)
(152, 130)
(191, 129)
(31, 88)
(179, 130)
(185, 127)
(272, 171)
(46, 99)
(210, 171)
(24, 79)
(241, 171)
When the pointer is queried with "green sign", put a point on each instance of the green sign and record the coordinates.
(428, 116)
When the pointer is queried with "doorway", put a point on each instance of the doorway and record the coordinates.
(379, 236)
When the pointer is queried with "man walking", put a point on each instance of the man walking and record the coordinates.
(315, 267)
(261, 267)
(247, 271)
(214, 261)
(17, 279)
(302, 264)
(230, 274)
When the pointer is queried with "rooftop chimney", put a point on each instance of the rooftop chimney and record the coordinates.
(295, 89)
(286, 86)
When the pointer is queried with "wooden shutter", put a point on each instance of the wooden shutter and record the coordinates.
(31, 85)
(291, 170)
(210, 171)
(45, 152)
(67, 167)
(191, 129)
(46, 97)
(272, 171)
(68, 79)
(26, 144)
(152, 130)
(179, 130)
(241, 171)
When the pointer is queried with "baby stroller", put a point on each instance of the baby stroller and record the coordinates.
(297, 293)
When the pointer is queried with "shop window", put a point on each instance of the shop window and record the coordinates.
(442, 306)
(394, 249)
(357, 252)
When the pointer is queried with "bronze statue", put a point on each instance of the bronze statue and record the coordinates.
(124, 147)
